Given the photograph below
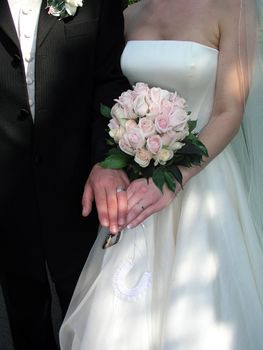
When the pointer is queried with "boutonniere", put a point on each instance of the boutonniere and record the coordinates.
(63, 8)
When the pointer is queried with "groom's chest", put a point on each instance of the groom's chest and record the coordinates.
(27, 22)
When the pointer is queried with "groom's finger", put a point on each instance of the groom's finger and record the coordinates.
(102, 206)
(87, 199)
(112, 203)
(122, 207)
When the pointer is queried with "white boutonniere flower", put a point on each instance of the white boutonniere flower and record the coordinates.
(63, 8)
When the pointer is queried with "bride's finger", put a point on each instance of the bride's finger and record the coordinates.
(137, 186)
(134, 220)
(137, 210)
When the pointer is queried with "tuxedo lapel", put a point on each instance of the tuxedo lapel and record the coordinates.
(6, 22)
(45, 24)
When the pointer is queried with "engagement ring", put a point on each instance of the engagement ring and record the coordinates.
(120, 189)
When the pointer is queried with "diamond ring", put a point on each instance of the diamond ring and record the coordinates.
(120, 189)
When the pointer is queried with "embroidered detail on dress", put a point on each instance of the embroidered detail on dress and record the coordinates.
(119, 285)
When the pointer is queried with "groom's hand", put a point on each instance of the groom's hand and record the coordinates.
(108, 188)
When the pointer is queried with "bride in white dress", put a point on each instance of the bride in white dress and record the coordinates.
(189, 277)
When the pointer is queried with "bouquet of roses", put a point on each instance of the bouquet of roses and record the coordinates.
(151, 135)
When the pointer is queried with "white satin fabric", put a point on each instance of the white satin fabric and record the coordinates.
(190, 278)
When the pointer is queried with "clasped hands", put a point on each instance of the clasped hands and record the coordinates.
(121, 203)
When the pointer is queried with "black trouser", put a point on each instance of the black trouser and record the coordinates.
(28, 303)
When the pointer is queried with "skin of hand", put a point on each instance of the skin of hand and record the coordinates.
(112, 205)
(145, 198)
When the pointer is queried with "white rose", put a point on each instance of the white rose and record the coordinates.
(140, 106)
(164, 155)
(143, 157)
(119, 113)
(117, 133)
(175, 146)
(72, 5)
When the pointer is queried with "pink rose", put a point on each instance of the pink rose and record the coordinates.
(172, 136)
(125, 147)
(126, 98)
(162, 123)
(134, 138)
(140, 89)
(179, 119)
(169, 137)
(153, 109)
(154, 143)
(126, 102)
(140, 106)
(143, 157)
(157, 95)
(177, 100)
(147, 126)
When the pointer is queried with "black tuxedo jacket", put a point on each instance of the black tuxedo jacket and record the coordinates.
(44, 165)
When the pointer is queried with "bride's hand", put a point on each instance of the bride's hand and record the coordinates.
(145, 198)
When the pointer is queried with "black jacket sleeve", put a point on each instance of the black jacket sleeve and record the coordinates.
(109, 80)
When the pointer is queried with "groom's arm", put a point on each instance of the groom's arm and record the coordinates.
(108, 78)
(109, 83)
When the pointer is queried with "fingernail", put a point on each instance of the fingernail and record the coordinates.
(129, 227)
(105, 223)
(114, 229)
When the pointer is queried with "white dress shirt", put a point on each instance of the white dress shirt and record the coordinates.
(25, 15)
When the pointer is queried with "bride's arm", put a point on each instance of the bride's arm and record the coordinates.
(230, 94)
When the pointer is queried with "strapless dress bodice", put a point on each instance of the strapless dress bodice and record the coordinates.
(183, 66)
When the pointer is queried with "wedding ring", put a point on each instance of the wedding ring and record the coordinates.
(112, 239)
(120, 189)
(142, 207)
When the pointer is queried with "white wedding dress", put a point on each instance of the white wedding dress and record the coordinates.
(191, 277)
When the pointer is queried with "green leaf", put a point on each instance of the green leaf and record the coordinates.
(158, 178)
(169, 180)
(116, 150)
(176, 172)
(202, 147)
(115, 161)
(191, 148)
(105, 111)
(192, 125)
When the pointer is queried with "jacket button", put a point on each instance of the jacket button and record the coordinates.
(23, 114)
(16, 60)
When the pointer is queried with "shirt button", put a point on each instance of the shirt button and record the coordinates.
(28, 57)
(29, 81)
(25, 11)
(27, 35)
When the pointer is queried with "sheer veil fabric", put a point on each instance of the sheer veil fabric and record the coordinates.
(247, 144)
(191, 277)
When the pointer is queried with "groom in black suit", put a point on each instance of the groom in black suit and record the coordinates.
(46, 156)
